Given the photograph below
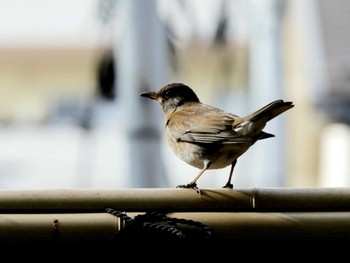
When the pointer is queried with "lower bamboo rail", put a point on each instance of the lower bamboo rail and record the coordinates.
(238, 226)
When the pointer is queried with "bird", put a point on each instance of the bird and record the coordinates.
(205, 136)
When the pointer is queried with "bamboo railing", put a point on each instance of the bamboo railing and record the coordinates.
(79, 216)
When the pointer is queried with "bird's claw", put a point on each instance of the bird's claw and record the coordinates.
(190, 186)
(228, 185)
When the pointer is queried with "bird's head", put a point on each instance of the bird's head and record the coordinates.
(172, 96)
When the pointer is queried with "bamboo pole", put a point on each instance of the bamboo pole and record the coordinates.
(133, 199)
(85, 228)
(56, 228)
(175, 200)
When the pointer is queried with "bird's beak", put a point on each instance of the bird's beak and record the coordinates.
(149, 94)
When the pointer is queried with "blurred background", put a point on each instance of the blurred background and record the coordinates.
(71, 73)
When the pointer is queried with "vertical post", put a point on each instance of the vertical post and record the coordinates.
(141, 54)
(266, 86)
(335, 168)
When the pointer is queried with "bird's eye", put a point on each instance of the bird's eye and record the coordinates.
(168, 94)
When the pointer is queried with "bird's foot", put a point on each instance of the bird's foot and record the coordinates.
(228, 185)
(190, 186)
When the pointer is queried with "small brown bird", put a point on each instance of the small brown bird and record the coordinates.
(207, 137)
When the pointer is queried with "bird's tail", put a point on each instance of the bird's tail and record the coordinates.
(253, 124)
(270, 111)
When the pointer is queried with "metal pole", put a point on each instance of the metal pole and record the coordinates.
(141, 53)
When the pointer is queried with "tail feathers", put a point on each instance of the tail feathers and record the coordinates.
(265, 135)
(271, 110)
(253, 124)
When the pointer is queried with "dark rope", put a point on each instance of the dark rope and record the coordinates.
(158, 226)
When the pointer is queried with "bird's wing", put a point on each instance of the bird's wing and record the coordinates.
(208, 125)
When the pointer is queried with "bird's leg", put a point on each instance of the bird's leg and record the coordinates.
(193, 184)
(229, 184)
